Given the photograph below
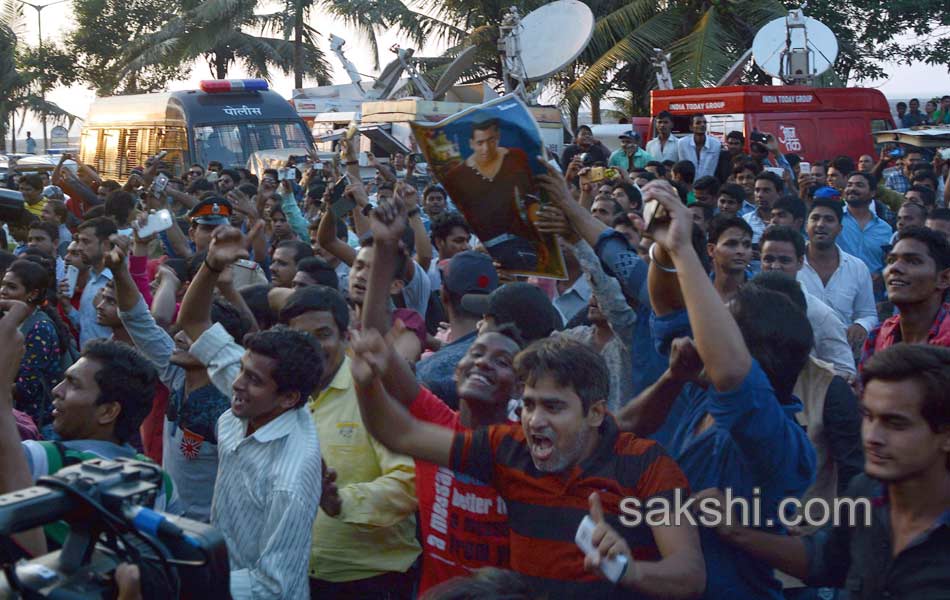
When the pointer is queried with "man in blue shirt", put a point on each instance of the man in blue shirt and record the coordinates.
(92, 241)
(730, 391)
(863, 233)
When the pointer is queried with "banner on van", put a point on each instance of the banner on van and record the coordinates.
(486, 157)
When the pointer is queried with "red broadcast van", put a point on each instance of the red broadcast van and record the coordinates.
(814, 123)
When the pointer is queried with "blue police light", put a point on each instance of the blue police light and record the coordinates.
(220, 86)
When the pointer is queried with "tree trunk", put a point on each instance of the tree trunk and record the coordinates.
(298, 45)
(220, 62)
(573, 114)
(595, 109)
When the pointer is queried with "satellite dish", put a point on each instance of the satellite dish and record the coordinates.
(462, 63)
(388, 79)
(795, 49)
(552, 37)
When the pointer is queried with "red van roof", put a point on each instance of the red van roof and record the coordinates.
(764, 98)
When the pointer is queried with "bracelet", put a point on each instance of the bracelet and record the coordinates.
(213, 270)
(655, 262)
(351, 162)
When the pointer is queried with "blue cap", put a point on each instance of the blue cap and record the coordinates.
(826, 193)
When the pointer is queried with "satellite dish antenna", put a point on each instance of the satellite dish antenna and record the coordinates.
(543, 42)
(795, 48)
(389, 77)
(462, 63)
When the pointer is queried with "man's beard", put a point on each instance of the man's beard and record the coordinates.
(855, 203)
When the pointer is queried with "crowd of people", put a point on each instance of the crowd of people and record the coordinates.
(355, 395)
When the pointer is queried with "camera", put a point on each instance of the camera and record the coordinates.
(104, 504)
(758, 136)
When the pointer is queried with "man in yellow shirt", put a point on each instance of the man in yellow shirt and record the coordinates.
(368, 547)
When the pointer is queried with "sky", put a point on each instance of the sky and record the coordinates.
(905, 81)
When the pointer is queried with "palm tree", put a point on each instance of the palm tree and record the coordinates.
(217, 30)
(704, 37)
(17, 91)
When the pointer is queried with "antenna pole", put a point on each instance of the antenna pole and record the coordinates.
(509, 45)
(336, 44)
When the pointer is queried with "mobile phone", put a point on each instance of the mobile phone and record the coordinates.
(340, 204)
(758, 136)
(597, 174)
(612, 568)
(72, 276)
(157, 222)
(211, 176)
(945, 153)
(611, 174)
(776, 170)
(653, 214)
(159, 183)
(804, 167)
(896, 153)
(161, 155)
(286, 173)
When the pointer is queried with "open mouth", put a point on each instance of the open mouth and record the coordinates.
(542, 447)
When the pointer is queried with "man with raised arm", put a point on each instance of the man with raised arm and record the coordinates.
(565, 429)
(735, 426)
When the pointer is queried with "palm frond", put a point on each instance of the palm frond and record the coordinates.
(705, 54)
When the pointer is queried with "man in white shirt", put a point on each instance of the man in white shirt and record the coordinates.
(783, 250)
(664, 145)
(841, 280)
(699, 148)
(768, 191)
(269, 478)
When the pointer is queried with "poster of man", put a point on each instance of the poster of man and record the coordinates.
(486, 158)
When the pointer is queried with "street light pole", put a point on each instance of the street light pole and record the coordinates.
(39, 27)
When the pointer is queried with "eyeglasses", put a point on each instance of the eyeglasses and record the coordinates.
(196, 173)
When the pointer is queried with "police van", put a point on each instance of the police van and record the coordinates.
(226, 121)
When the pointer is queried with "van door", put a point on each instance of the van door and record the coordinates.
(796, 134)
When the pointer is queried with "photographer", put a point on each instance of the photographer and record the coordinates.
(97, 408)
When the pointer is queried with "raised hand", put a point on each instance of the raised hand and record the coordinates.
(388, 221)
(678, 235)
(229, 245)
(685, 363)
(167, 275)
(371, 356)
(551, 220)
(357, 191)
(242, 204)
(115, 259)
(605, 539)
(554, 184)
(13, 347)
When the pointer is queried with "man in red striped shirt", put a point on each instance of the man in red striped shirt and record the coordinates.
(566, 454)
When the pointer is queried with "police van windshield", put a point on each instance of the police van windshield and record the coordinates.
(233, 143)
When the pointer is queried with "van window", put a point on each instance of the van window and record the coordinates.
(232, 144)
(879, 125)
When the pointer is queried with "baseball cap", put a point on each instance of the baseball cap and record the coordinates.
(470, 272)
(630, 135)
(826, 193)
(211, 211)
(53, 191)
(520, 303)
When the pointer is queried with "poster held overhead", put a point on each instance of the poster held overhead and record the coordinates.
(486, 157)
